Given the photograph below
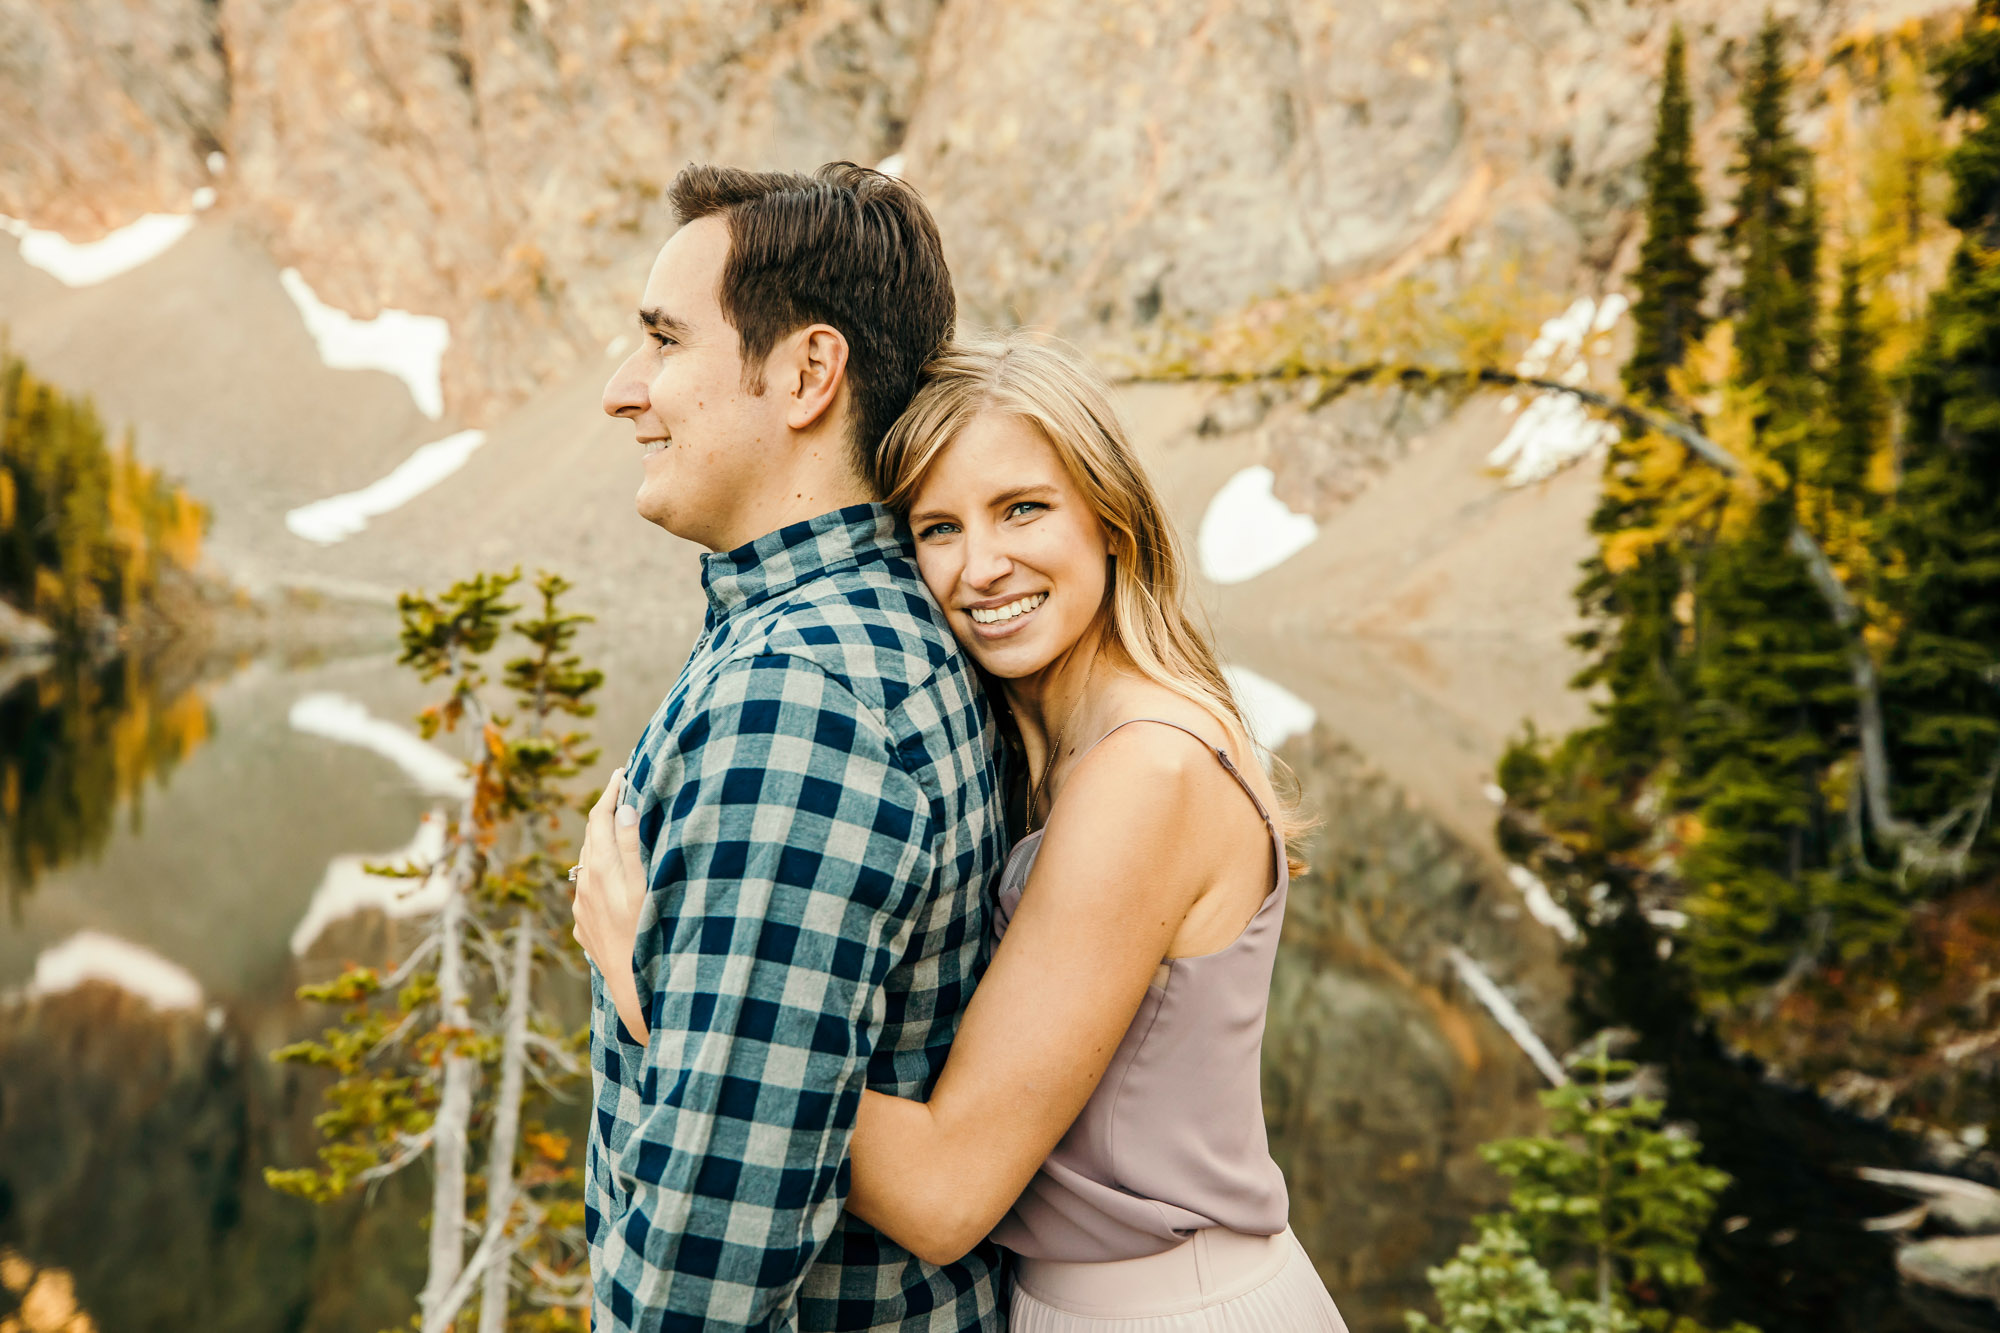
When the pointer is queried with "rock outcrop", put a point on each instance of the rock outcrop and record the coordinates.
(1128, 174)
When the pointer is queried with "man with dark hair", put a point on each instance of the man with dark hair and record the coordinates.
(816, 807)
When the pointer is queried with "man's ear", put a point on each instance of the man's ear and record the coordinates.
(815, 370)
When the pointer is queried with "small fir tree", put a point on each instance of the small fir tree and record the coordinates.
(1608, 1194)
(1494, 1285)
(450, 1052)
(1606, 1198)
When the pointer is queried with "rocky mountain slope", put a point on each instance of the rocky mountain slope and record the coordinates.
(1119, 172)
(1151, 180)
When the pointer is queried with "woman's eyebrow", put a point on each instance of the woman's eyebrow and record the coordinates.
(1035, 490)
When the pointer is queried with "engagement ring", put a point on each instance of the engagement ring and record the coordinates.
(572, 871)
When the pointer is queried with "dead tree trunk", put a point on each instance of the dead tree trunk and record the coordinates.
(507, 1128)
(454, 1114)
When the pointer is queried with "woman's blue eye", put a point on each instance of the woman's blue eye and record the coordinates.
(935, 529)
(1019, 505)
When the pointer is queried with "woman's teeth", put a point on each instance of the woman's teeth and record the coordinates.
(653, 447)
(1016, 608)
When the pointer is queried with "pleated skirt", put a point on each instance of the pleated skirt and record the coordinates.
(1216, 1281)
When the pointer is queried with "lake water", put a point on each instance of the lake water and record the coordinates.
(200, 839)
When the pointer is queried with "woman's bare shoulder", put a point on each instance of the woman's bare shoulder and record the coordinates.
(1141, 700)
(1134, 759)
(1149, 753)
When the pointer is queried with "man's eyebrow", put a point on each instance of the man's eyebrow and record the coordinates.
(656, 320)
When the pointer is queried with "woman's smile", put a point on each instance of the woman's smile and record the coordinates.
(997, 619)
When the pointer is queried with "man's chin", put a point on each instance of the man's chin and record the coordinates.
(654, 508)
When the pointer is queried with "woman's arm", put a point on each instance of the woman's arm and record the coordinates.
(1120, 866)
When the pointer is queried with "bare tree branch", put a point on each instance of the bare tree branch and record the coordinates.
(408, 1149)
(409, 966)
(563, 1060)
(439, 1319)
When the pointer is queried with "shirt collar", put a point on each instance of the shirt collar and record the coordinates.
(779, 561)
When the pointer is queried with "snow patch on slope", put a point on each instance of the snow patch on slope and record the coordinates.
(339, 718)
(1274, 713)
(408, 346)
(1556, 429)
(91, 955)
(339, 517)
(81, 264)
(348, 888)
(1247, 530)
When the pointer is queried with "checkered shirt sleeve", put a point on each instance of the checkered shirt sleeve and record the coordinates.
(790, 857)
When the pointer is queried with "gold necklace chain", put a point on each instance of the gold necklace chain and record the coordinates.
(1036, 788)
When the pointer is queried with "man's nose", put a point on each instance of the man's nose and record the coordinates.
(625, 392)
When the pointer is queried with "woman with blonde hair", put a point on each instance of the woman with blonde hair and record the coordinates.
(1100, 1113)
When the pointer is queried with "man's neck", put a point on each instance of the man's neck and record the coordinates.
(812, 474)
(795, 505)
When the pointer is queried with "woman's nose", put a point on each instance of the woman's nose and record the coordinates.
(986, 562)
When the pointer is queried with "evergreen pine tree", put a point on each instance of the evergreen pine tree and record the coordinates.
(1667, 318)
(1771, 698)
(1942, 691)
(1857, 411)
(1635, 637)
(1775, 231)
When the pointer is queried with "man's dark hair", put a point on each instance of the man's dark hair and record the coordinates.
(845, 246)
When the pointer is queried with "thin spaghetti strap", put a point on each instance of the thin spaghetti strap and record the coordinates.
(1222, 755)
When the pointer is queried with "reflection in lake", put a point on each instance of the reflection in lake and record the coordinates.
(78, 742)
(137, 1115)
(142, 987)
(135, 1120)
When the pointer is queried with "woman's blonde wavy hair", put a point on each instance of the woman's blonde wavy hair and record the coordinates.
(1054, 387)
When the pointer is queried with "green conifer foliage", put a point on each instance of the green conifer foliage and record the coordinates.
(1494, 1285)
(1634, 638)
(1606, 1202)
(1772, 696)
(451, 1052)
(1667, 317)
(1942, 693)
(1772, 701)
(1775, 231)
(1857, 409)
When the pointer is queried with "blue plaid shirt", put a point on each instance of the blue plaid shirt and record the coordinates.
(821, 822)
